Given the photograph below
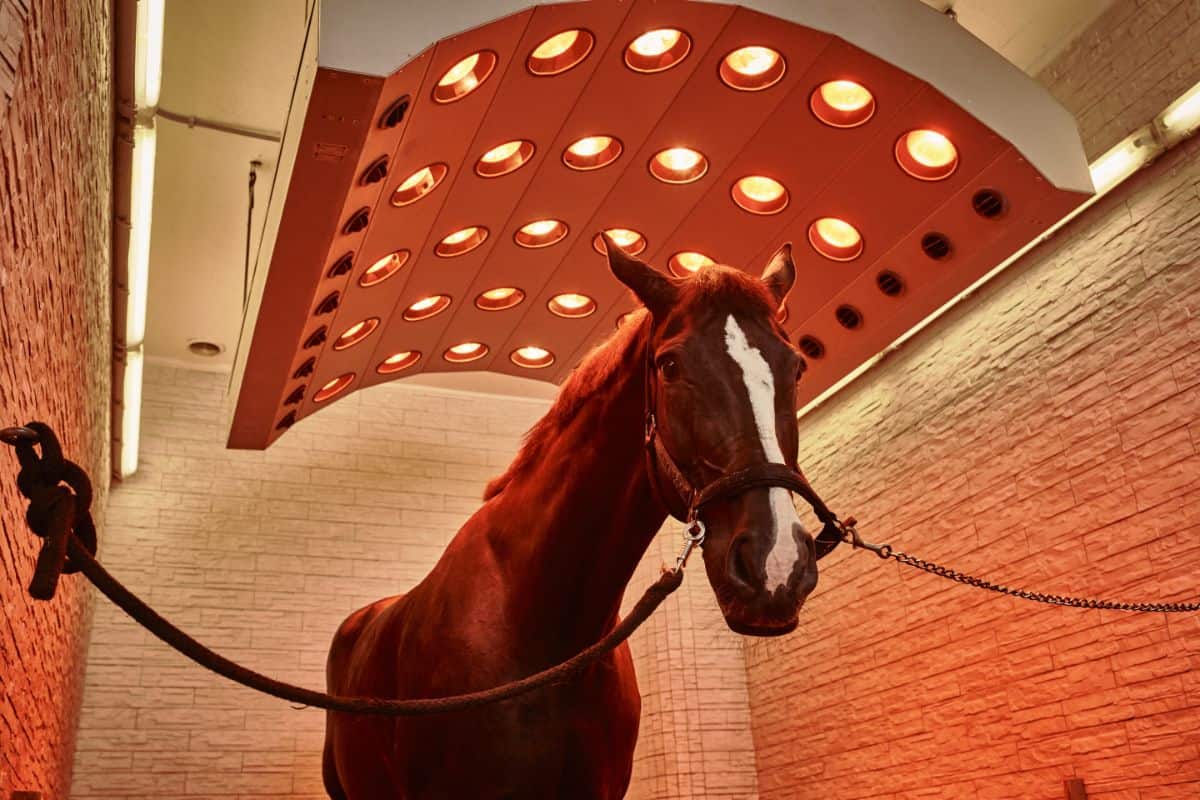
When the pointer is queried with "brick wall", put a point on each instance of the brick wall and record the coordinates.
(54, 336)
(1137, 57)
(262, 554)
(1045, 434)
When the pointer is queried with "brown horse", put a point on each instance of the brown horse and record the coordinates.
(537, 574)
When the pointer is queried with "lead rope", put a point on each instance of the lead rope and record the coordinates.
(61, 516)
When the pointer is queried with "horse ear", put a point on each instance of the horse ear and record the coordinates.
(655, 290)
(780, 273)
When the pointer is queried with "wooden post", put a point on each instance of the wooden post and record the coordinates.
(1074, 788)
(26, 796)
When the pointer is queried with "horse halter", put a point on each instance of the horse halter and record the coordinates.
(685, 501)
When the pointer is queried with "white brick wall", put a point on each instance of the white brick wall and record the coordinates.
(262, 554)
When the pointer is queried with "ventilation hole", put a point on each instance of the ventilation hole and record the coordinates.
(890, 283)
(342, 266)
(358, 221)
(316, 339)
(289, 419)
(295, 397)
(395, 113)
(376, 172)
(935, 245)
(988, 203)
(848, 317)
(328, 305)
(202, 347)
(811, 346)
(305, 369)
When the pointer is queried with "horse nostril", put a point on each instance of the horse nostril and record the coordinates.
(741, 561)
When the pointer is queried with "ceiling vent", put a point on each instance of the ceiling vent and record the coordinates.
(483, 148)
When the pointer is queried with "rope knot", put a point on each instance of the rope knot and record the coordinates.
(56, 511)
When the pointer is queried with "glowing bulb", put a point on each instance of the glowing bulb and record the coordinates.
(590, 146)
(460, 236)
(421, 177)
(503, 293)
(425, 303)
(931, 148)
(690, 261)
(656, 42)
(501, 152)
(532, 353)
(466, 348)
(680, 159)
(399, 361)
(460, 71)
(761, 189)
(845, 95)
(623, 236)
(540, 227)
(838, 233)
(353, 329)
(573, 301)
(398, 358)
(556, 45)
(753, 60)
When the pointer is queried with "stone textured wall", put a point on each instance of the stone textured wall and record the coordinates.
(262, 554)
(55, 184)
(1137, 57)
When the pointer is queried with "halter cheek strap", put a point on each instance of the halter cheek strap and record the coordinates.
(685, 502)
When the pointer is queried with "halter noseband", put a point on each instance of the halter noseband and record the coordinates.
(685, 501)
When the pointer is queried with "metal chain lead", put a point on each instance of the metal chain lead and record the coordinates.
(1025, 594)
(885, 551)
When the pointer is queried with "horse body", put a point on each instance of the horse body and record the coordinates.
(537, 574)
(533, 577)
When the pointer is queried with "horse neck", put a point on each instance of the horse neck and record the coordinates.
(580, 519)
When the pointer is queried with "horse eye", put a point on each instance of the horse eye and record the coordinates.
(668, 367)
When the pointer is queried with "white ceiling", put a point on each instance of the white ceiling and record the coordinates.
(235, 62)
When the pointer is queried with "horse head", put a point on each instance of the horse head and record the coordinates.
(721, 388)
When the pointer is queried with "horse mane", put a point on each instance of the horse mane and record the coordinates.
(736, 290)
(593, 374)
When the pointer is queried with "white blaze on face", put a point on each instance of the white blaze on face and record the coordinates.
(760, 386)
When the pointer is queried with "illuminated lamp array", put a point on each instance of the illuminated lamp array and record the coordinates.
(334, 387)
(397, 362)
(531, 357)
(835, 239)
(629, 241)
(356, 333)
(572, 306)
(759, 194)
(464, 77)
(678, 165)
(504, 158)
(753, 68)
(541, 233)
(657, 50)
(419, 184)
(465, 352)
(560, 52)
(684, 263)
(499, 299)
(927, 155)
(842, 104)
(461, 241)
(426, 307)
(384, 268)
(592, 152)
